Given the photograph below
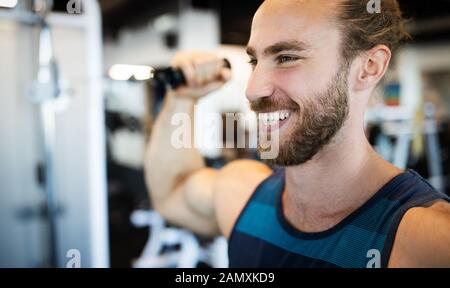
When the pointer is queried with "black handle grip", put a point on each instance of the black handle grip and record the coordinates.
(175, 77)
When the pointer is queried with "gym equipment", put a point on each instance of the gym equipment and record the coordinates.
(53, 126)
(190, 254)
(174, 77)
(399, 123)
(45, 91)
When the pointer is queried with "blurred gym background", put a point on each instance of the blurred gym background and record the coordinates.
(77, 104)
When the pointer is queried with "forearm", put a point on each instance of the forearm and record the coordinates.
(166, 166)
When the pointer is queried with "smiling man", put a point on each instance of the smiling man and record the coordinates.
(334, 202)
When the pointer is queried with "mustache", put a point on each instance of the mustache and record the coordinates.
(269, 104)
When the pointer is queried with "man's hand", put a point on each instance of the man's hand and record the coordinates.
(204, 73)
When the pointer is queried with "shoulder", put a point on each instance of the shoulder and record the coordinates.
(244, 169)
(234, 185)
(423, 238)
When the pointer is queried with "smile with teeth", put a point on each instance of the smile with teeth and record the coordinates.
(274, 118)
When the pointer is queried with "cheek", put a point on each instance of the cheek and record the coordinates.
(298, 84)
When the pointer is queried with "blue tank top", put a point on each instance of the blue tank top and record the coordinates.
(262, 237)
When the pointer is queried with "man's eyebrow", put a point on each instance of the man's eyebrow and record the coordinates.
(250, 51)
(293, 45)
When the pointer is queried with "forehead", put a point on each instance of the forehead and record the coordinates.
(308, 21)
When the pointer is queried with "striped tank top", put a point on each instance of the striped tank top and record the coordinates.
(262, 237)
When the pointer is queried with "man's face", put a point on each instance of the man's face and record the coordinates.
(299, 80)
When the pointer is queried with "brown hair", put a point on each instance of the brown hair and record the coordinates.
(363, 30)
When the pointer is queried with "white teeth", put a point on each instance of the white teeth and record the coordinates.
(274, 117)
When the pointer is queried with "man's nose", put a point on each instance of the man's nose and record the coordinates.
(259, 85)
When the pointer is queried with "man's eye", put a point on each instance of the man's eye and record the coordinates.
(252, 62)
(285, 59)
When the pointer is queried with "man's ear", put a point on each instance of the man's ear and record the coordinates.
(373, 65)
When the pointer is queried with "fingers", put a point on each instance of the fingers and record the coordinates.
(225, 73)
(200, 69)
(188, 69)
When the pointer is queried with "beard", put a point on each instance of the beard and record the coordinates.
(315, 121)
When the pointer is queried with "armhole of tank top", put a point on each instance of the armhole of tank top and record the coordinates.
(397, 218)
(250, 199)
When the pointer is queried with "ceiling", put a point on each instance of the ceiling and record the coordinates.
(430, 20)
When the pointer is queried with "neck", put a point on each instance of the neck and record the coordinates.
(336, 182)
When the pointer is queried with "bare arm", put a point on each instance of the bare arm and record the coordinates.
(423, 238)
(167, 171)
(181, 188)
